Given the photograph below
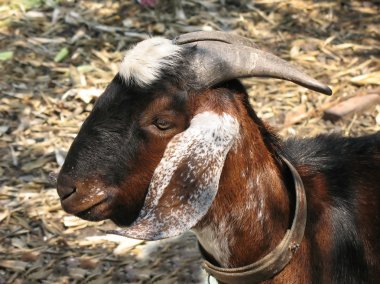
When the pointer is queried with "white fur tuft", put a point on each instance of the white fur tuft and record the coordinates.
(143, 63)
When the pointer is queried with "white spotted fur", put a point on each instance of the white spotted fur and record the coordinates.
(144, 63)
(200, 151)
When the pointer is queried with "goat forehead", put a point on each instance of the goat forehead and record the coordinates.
(115, 93)
(144, 63)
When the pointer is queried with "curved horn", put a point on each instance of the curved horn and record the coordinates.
(214, 36)
(214, 61)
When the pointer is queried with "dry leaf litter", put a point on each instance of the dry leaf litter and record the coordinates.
(56, 57)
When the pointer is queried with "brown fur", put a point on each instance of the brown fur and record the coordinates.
(232, 192)
(255, 198)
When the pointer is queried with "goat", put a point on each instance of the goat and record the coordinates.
(174, 145)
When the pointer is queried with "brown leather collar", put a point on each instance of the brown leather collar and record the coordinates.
(276, 260)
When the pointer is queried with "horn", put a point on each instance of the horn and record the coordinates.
(224, 57)
(214, 36)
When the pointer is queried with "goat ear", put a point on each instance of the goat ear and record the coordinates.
(186, 180)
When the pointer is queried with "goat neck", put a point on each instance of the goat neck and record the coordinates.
(251, 212)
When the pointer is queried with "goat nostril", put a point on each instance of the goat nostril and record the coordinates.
(65, 186)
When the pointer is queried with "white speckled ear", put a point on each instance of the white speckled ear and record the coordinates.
(186, 180)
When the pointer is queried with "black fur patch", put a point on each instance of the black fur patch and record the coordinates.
(345, 163)
(109, 140)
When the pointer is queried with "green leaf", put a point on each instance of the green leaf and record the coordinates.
(6, 55)
(85, 68)
(62, 54)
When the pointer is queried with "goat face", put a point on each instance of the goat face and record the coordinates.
(117, 161)
(111, 161)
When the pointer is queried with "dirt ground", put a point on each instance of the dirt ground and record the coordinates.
(56, 57)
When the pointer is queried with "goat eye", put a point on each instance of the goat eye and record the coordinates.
(162, 124)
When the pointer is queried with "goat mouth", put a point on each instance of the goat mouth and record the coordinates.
(86, 209)
(64, 197)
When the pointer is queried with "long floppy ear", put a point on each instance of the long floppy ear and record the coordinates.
(186, 180)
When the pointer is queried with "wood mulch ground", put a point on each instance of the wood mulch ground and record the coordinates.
(56, 57)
